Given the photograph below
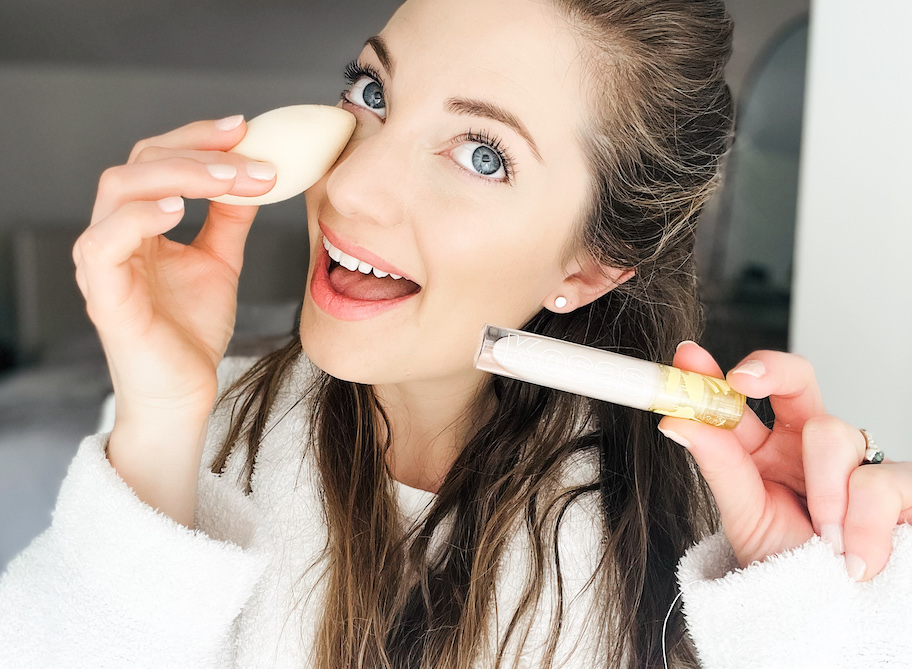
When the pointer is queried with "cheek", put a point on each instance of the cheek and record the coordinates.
(313, 196)
(499, 272)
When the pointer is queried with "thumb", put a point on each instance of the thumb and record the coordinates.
(723, 459)
(225, 231)
(728, 469)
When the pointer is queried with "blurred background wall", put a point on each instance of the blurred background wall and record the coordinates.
(80, 83)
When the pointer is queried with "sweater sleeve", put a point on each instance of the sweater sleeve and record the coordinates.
(114, 583)
(797, 609)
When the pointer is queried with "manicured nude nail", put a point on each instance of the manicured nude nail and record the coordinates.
(171, 205)
(677, 438)
(753, 368)
(832, 534)
(855, 566)
(686, 341)
(222, 172)
(261, 171)
(229, 122)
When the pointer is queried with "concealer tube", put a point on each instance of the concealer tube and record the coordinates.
(609, 376)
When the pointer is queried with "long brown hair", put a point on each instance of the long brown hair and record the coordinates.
(663, 121)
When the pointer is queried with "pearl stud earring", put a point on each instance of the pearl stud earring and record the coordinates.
(560, 302)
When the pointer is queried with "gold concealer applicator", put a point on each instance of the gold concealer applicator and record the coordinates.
(607, 376)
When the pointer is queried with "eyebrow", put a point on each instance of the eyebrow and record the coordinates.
(378, 44)
(485, 109)
(459, 105)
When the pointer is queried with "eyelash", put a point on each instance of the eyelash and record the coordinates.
(493, 143)
(356, 69)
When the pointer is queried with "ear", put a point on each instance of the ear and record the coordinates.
(585, 282)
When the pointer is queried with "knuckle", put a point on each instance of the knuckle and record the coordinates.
(110, 180)
(827, 436)
(800, 364)
(806, 365)
(81, 283)
(138, 148)
(91, 247)
(827, 499)
(865, 482)
(825, 425)
(92, 312)
(796, 363)
(146, 154)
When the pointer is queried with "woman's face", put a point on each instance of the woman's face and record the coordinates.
(465, 176)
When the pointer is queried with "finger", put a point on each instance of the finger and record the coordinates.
(218, 135)
(103, 251)
(81, 281)
(154, 181)
(831, 452)
(787, 379)
(880, 496)
(224, 233)
(249, 172)
(254, 169)
(181, 176)
(727, 468)
(692, 357)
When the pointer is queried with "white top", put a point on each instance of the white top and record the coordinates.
(113, 583)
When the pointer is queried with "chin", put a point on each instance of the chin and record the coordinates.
(340, 356)
(327, 358)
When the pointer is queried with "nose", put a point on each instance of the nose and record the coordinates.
(367, 181)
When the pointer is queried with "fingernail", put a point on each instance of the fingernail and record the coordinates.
(753, 368)
(855, 566)
(832, 534)
(229, 122)
(261, 171)
(675, 437)
(686, 341)
(222, 172)
(171, 205)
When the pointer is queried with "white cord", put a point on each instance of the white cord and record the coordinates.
(665, 625)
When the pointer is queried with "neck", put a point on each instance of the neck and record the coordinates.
(430, 422)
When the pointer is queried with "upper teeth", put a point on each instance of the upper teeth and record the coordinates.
(351, 263)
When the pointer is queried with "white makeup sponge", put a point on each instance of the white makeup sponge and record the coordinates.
(302, 141)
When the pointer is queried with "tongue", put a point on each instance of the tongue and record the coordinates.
(358, 286)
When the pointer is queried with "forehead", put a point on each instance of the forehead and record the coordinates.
(521, 54)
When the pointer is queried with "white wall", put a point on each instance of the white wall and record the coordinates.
(852, 301)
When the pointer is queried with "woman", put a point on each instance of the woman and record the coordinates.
(529, 164)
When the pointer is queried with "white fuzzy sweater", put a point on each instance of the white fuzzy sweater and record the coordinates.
(113, 583)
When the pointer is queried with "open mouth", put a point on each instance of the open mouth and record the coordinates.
(357, 279)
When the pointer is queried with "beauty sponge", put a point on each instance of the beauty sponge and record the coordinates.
(302, 141)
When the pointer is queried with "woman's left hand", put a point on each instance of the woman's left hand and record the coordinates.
(776, 488)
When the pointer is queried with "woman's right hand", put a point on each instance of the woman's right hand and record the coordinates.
(165, 311)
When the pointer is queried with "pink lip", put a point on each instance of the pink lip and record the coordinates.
(360, 253)
(342, 307)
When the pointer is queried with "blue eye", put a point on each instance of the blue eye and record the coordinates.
(481, 158)
(485, 160)
(367, 93)
(373, 95)
(365, 89)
